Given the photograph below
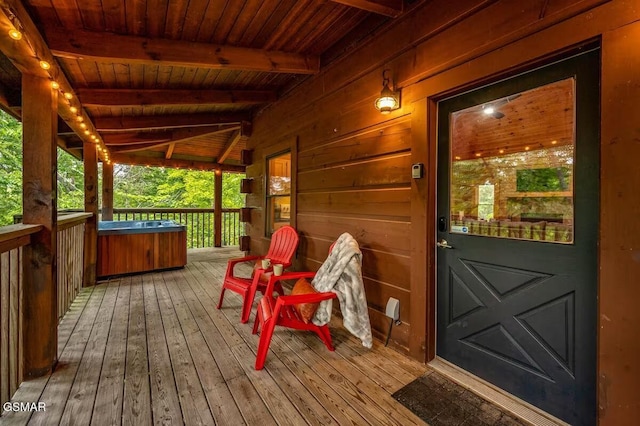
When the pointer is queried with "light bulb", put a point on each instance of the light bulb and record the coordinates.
(55, 85)
(68, 95)
(15, 34)
(45, 65)
(73, 109)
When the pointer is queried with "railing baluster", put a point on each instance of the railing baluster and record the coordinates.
(199, 223)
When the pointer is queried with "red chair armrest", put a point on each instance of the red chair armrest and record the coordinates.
(287, 276)
(231, 263)
(242, 259)
(305, 298)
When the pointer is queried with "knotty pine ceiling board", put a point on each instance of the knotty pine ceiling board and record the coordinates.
(534, 119)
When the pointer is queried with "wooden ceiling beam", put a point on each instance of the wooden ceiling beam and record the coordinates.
(80, 44)
(139, 160)
(134, 97)
(243, 133)
(114, 140)
(233, 141)
(151, 122)
(391, 8)
(131, 140)
(140, 142)
(169, 152)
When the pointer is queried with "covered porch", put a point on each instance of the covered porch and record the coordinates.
(289, 93)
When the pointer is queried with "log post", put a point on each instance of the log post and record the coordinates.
(39, 204)
(90, 206)
(107, 191)
(217, 208)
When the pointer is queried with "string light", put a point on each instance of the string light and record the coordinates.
(15, 34)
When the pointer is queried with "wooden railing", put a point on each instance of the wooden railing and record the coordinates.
(70, 264)
(70, 258)
(12, 239)
(199, 223)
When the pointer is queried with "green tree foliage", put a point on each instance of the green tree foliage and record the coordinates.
(139, 186)
(10, 168)
(70, 182)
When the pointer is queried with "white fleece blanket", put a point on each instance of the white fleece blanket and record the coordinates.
(341, 273)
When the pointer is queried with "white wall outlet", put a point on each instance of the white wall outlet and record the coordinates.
(393, 309)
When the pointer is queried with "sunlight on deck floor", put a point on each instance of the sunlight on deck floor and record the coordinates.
(153, 349)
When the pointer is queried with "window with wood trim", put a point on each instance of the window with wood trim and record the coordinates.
(278, 192)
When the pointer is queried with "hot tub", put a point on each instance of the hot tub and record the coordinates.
(134, 246)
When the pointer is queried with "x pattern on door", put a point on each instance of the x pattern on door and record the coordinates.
(487, 292)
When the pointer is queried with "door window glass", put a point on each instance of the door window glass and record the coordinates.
(512, 163)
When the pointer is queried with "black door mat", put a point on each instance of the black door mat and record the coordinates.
(441, 402)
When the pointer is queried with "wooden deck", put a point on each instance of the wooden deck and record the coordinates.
(153, 349)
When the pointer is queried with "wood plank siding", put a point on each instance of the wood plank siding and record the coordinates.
(152, 349)
(353, 164)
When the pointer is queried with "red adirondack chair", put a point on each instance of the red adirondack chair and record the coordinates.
(280, 311)
(283, 246)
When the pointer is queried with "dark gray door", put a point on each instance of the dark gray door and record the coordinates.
(518, 185)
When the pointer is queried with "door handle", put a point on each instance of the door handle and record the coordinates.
(443, 244)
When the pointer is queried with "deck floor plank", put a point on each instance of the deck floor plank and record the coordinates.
(136, 408)
(248, 400)
(187, 350)
(81, 398)
(107, 409)
(153, 348)
(57, 390)
(369, 391)
(212, 372)
(165, 403)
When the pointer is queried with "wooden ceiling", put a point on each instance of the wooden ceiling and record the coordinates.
(536, 119)
(175, 82)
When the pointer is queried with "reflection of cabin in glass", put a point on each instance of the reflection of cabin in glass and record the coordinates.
(279, 191)
(512, 169)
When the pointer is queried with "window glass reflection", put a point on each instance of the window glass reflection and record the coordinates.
(512, 166)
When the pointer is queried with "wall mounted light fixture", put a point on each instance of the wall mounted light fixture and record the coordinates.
(388, 100)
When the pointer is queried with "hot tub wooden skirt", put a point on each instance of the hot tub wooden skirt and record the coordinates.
(141, 252)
